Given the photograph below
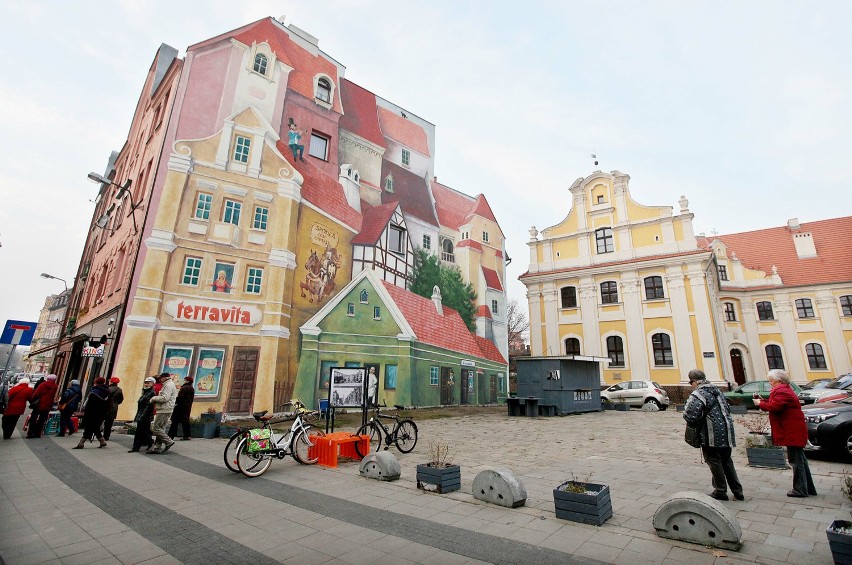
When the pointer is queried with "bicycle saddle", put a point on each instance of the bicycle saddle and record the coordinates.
(261, 416)
(398, 407)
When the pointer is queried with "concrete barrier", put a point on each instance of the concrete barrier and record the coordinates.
(499, 486)
(381, 465)
(696, 518)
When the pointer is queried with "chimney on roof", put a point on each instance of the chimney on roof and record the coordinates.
(793, 224)
(436, 300)
(804, 243)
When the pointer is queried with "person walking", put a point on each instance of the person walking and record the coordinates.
(707, 409)
(19, 396)
(164, 404)
(144, 416)
(117, 397)
(42, 404)
(68, 403)
(95, 412)
(183, 407)
(789, 429)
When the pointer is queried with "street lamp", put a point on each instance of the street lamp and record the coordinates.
(46, 276)
(123, 190)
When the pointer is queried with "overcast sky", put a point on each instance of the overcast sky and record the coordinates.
(744, 107)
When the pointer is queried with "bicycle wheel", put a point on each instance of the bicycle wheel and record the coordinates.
(375, 433)
(406, 436)
(302, 445)
(231, 452)
(251, 464)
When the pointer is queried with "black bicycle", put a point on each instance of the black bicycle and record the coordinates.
(403, 434)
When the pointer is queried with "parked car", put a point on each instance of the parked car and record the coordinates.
(742, 395)
(816, 383)
(830, 427)
(837, 389)
(636, 393)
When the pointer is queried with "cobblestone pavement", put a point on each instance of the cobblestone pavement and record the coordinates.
(110, 506)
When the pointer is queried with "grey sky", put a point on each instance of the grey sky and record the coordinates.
(741, 106)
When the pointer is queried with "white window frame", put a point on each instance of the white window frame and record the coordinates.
(242, 149)
(196, 275)
(261, 64)
(350, 309)
(434, 376)
(485, 237)
(494, 305)
(264, 218)
(331, 91)
(254, 280)
(231, 208)
(406, 158)
(316, 140)
(203, 207)
(400, 249)
(427, 241)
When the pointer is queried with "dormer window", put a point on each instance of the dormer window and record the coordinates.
(260, 63)
(389, 183)
(324, 90)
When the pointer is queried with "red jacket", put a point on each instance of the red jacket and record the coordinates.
(45, 394)
(786, 417)
(19, 395)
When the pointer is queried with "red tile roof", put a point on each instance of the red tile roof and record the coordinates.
(403, 130)
(305, 64)
(452, 206)
(761, 249)
(481, 208)
(410, 191)
(324, 192)
(492, 279)
(483, 311)
(528, 274)
(489, 350)
(375, 219)
(360, 114)
(470, 243)
(447, 331)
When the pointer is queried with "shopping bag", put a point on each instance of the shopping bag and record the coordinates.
(259, 439)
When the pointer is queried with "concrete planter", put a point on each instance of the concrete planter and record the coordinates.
(445, 479)
(840, 541)
(594, 506)
(770, 457)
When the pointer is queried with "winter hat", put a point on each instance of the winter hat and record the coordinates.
(75, 382)
(24, 380)
(115, 380)
(100, 381)
(161, 375)
(188, 379)
(150, 380)
(51, 377)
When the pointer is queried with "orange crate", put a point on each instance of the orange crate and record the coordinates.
(339, 444)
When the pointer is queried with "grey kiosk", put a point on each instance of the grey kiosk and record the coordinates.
(555, 386)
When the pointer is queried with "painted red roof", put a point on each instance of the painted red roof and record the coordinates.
(481, 208)
(527, 274)
(324, 192)
(483, 311)
(410, 191)
(375, 219)
(360, 114)
(498, 253)
(489, 350)
(403, 130)
(447, 331)
(492, 279)
(452, 206)
(761, 249)
(470, 243)
(305, 64)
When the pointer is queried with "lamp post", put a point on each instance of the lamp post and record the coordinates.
(46, 276)
(122, 190)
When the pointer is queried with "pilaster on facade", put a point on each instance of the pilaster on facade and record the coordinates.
(534, 303)
(681, 317)
(840, 361)
(589, 307)
(704, 322)
(757, 360)
(784, 311)
(551, 319)
(631, 289)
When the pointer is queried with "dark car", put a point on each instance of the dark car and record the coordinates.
(817, 383)
(830, 427)
(836, 389)
(742, 395)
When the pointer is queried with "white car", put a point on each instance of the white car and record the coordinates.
(636, 393)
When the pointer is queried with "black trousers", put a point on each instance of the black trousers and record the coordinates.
(65, 423)
(184, 423)
(9, 423)
(722, 469)
(38, 418)
(803, 483)
(143, 434)
(108, 422)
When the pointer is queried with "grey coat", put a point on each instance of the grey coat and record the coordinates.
(707, 408)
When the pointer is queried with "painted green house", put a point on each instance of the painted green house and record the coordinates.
(421, 350)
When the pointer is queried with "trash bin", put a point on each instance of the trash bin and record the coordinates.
(52, 425)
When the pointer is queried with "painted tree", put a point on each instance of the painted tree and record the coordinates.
(455, 293)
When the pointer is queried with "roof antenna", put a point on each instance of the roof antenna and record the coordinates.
(595, 157)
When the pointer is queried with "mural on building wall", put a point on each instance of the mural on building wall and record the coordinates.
(322, 266)
(177, 361)
(347, 387)
(224, 277)
(208, 372)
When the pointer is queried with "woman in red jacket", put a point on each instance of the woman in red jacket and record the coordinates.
(19, 396)
(789, 428)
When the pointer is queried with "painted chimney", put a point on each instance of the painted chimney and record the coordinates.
(436, 300)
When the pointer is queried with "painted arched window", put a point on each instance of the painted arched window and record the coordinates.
(447, 251)
(572, 346)
(615, 351)
(774, 359)
(260, 63)
(324, 90)
(609, 292)
(654, 288)
(816, 358)
(764, 311)
(662, 345)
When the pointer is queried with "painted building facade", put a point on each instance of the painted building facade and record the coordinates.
(422, 352)
(248, 238)
(633, 283)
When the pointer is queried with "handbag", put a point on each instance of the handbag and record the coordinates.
(692, 435)
(259, 439)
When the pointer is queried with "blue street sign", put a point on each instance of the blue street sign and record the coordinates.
(17, 332)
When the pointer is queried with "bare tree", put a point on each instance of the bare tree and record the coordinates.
(517, 323)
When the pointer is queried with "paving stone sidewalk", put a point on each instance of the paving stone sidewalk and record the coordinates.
(109, 506)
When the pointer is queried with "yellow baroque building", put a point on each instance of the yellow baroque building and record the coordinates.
(632, 283)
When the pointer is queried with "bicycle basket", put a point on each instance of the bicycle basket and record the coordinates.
(259, 439)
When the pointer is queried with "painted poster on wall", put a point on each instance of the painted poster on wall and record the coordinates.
(208, 372)
(177, 361)
(322, 264)
(224, 277)
(347, 387)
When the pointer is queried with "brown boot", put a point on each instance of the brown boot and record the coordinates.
(81, 444)
(103, 443)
